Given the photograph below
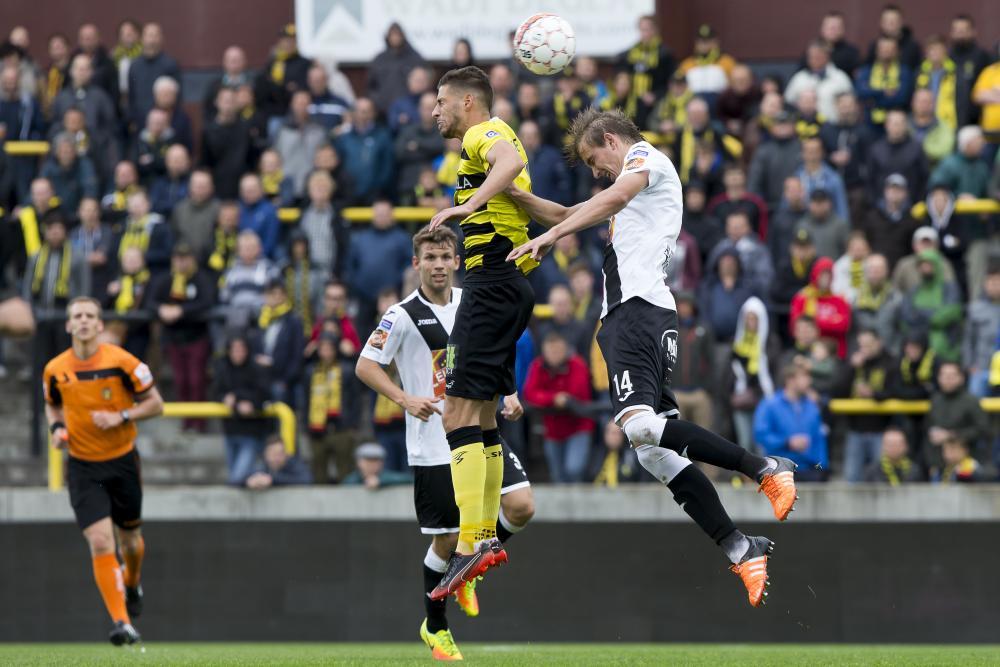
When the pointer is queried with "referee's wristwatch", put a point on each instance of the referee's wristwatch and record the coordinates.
(126, 417)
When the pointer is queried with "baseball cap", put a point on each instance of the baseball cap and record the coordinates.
(925, 233)
(802, 237)
(896, 180)
(370, 450)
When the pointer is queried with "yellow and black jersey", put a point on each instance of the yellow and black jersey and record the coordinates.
(500, 225)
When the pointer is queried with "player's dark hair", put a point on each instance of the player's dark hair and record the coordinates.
(472, 79)
(592, 124)
(435, 236)
(83, 299)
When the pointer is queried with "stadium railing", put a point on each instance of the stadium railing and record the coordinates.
(280, 411)
(865, 406)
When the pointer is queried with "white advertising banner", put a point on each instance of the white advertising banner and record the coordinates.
(353, 31)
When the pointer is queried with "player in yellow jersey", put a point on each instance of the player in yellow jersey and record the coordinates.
(496, 305)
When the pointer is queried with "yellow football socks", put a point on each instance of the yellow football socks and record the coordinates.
(494, 481)
(468, 476)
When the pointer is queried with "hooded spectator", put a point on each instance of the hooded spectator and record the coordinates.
(751, 368)
(723, 293)
(831, 312)
(754, 256)
(934, 306)
(389, 70)
(915, 378)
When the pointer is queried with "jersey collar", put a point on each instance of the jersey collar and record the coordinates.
(423, 297)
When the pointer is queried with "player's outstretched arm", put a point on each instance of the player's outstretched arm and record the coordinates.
(505, 165)
(596, 209)
(373, 375)
(542, 211)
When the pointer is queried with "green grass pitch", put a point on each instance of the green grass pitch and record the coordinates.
(498, 654)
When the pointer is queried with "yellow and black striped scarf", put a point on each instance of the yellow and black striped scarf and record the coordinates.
(325, 395)
(41, 268)
(644, 58)
(689, 150)
(857, 273)
(269, 314)
(271, 183)
(748, 348)
(924, 369)
(178, 286)
(29, 231)
(224, 251)
(121, 51)
(278, 66)
(136, 235)
(119, 198)
(53, 84)
(608, 475)
(869, 300)
(944, 108)
(883, 78)
(126, 299)
(890, 471)
(297, 285)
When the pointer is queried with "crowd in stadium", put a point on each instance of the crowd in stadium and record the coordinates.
(838, 240)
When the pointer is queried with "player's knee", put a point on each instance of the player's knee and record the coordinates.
(130, 539)
(664, 464)
(100, 542)
(521, 510)
(644, 428)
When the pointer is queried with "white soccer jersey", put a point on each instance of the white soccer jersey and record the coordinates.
(414, 334)
(643, 235)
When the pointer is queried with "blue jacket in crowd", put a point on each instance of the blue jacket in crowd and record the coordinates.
(778, 418)
(368, 155)
(262, 218)
(376, 260)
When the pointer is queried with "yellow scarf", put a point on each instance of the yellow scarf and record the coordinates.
(271, 183)
(883, 78)
(29, 230)
(945, 99)
(303, 307)
(747, 348)
(995, 369)
(563, 260)
(387, 411)
(857, 272)
(582, 306)
(674, 108)
(119, 198)
(447, 173)
(644, 58)
(924, 369)
(806, 129)
(563, 107)
(131, 52)
(689, 150)
(799, 267)
(891, 475)
(608, 475)
(41, 268)
(126, 295)
(269, 314)
(278, 67)
(325, 396)
(225, 245)
(869, 300)
(53, 84)
(136, 236)
(178, 286)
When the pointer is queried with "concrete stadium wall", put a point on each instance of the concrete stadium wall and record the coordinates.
(280, 568)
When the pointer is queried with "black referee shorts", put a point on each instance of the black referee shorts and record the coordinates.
(479, 360)
(639, 344)
(434, 495)
(98, 489)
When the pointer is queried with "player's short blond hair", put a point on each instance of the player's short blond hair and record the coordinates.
(83, 299)
(592, 124)
(439, 236)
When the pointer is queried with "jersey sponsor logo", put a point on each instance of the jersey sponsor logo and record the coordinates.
(426, 323)
(378, 338)
(385, 324)
(635, 163)
(492, 133)
(143, 374)
(439, 375)
(637, 153)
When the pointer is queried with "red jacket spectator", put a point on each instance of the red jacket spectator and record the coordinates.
(544, 384)
(831, 312)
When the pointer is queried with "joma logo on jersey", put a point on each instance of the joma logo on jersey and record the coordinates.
(424, 323)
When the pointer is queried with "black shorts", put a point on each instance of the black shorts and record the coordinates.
(639, 344)
(434, 495)
(98, 489)
(479, 362)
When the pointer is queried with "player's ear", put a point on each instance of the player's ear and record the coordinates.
(415, 261)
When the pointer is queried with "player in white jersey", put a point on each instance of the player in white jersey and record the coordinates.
(413, 334)
(638, 335)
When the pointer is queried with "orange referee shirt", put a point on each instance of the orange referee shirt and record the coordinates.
(108, 380)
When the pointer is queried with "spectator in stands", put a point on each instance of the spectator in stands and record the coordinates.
(286, 71)
(255, 120)
(648, 62)
(831, 312)
(889, 226)
(404, 110)
(867, 378)
(959, 465)
(694, 369)
(558, 383)
(325, 108)
(151, 64)
(234, 75)
(278, 188)
(705, 228)
(127, 295)
(701, 131)
(708, 68)
(986, 93)
(955, 413)
(367, 153)
(192, 219)
(280, 343)
(563, 321)
(327, 236)
(788, 424)
(244, 282)
(550, 178)
(846, 142)
(736, 198)
(757, 266)
(937, 139)
(775, 160)
(98, 107)
(126, 51)
(825, 227)
(502, 81)
(55, 74)
(529, 107)
(615, 462)
(333, 408)
(969, 61)
(784, 222)
(906, 276)
(105, 73)
(279, 469)
(166, 95)
(807, 117)
(934, 306)
(388, 416)
(151, 145)
(805, 334)
(822, 76)
(371, 469)
(226, 146)
(377, 258)
(570, 99)
(886, 83)
(936, 73)
(876, 303)
(222, 238)
(258, 215)
(590, 77)
(816, 174)
(957, 233)
(114, 205)
(328, 159)
(897, 153)
(92, 241)
(684, 271)
(894, 466)
(73, 125)
(389, 70)
(793, 273)
(72, 177)
(42, 202)
(335, 320)
(916, 373)
(735, 106)
(965, 172)
(723, 293)
(419, 142)
(751, 369)
(148, 232)
(849, 269)
(982, 325)
(844, 55)
(586, 304)
(297, 140)
(182, 301)
(172, 187)
(242, 385)
(303, 280)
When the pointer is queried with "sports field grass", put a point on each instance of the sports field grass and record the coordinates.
(499, 654)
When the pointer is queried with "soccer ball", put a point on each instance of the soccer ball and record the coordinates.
(545, 43)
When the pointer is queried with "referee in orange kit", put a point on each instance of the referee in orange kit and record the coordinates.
(94, 392)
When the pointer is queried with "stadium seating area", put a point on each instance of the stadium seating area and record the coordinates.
(840, 245)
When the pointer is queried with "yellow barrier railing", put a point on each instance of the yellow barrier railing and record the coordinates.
(21, 148)
(971, 206)
(280, 411)
(364, 214)
(864, 406)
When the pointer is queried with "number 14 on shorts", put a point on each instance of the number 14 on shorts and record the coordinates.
(623, 387)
